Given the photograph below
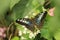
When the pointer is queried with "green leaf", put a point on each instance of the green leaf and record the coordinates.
(24, 7)
(57, 27)
(46, 34)
(15, 38)
(13, 2)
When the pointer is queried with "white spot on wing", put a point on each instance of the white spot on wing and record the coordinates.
(20, 33)
(26, 17)
(18, 20)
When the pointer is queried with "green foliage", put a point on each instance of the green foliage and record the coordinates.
(15, 38)
(21, 8)
(52, 28)
(4, 6)
(24, 7)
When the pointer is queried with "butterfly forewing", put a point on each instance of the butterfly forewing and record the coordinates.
(27, 23)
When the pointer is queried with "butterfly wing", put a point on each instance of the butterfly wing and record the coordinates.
(30, 24)
(39, 19)
(27, 23)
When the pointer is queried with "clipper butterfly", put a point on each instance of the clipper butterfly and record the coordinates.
(33, 23)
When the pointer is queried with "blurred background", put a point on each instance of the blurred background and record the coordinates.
(12, 10)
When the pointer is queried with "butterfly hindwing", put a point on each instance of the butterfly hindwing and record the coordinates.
(40, 17)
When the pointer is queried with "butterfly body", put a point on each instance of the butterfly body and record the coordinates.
(33, 23)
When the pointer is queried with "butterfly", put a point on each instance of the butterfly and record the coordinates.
(33, 23)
